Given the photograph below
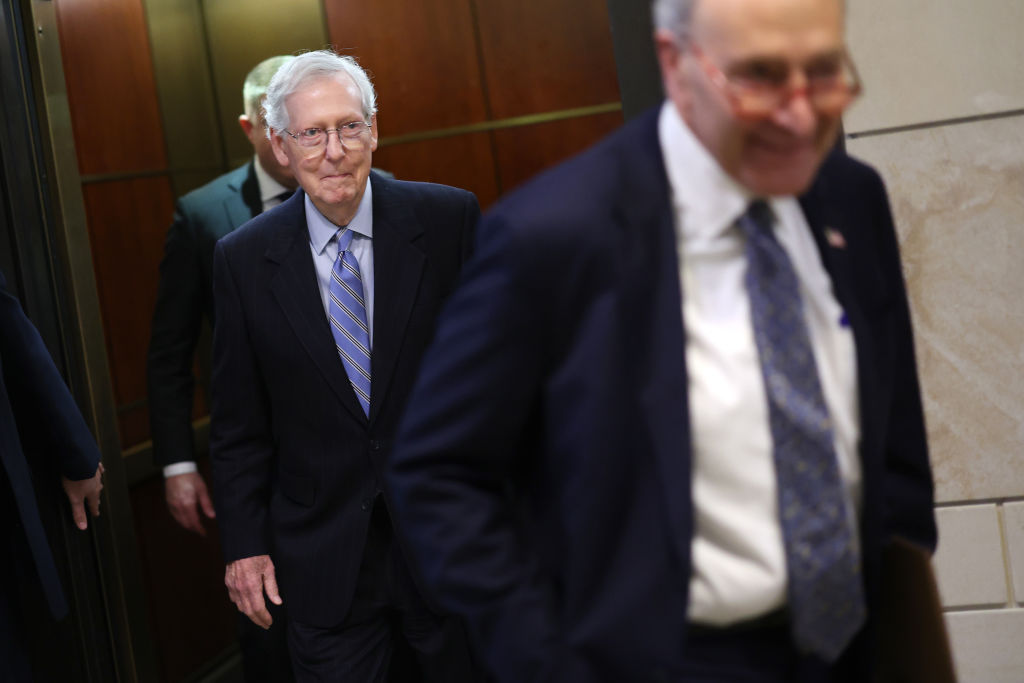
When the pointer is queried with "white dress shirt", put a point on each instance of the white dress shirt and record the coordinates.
(738, 560)
(270, 189)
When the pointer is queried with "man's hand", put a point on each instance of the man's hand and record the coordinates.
(246, 580)
(183, 491)
(82, 492)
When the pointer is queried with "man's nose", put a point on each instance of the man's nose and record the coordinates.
(798, 113)
(334, 148)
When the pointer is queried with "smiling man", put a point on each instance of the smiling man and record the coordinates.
(671, 415)
(324, 307)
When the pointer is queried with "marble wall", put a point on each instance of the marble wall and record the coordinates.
(942, 119)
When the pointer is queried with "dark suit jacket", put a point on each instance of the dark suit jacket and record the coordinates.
(542, 472)
(184, 297)
(38, 419)
(295, 460)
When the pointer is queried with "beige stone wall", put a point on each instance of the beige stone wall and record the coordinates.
(942, 119)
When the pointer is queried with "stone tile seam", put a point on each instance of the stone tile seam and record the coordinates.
(874, 132)
(978, 502)
(967, 611)
(1004, 543)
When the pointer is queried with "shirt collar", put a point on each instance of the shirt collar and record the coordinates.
(269, 188)
(708, 198)
(321, 230)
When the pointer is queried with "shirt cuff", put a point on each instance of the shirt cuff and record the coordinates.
(177, 468)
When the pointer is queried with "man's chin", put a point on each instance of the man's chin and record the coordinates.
(780, 180)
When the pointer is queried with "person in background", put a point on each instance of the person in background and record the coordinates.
(671, 415)
(39, 424)
(184, 301)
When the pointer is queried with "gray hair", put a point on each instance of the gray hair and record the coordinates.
(255, 86)
(674, 16)
(305, 68)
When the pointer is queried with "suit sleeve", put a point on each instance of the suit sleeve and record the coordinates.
(47, 415)
(461, 445)
(908, 490)
(241, 442)
(177, 319)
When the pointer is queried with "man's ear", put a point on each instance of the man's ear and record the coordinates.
(246, 125)
(373, 133)
(277, 144)
(666, 47)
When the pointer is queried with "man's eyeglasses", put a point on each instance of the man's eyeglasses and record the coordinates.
(352, 137)
(759, 88)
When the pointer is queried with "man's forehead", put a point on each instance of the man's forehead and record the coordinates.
(747, 28)
(338, 89)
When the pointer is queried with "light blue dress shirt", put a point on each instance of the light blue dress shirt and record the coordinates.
(323, 241)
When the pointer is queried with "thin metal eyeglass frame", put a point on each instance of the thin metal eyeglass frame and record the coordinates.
(342, 138)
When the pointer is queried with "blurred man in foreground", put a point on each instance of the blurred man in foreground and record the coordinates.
(672, 414)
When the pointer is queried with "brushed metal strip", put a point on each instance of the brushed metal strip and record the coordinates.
(501, 124)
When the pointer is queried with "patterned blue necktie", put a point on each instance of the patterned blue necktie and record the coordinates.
(348, 319)
(826, 594)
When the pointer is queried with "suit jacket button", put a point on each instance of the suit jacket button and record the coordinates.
(374, 445)
(365, 505)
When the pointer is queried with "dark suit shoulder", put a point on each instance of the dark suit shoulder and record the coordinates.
(622, 169)
(217, 189)
(843, 174)
(279, 226)
(422, 199)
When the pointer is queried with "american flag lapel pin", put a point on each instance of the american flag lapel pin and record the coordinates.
(835, 238)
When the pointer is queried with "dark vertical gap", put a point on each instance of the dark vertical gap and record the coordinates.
(485, 89)
(159, 98)
(639, 76)
(204, 29)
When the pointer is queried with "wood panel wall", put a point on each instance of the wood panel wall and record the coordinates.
(444, 69)
(118, 136)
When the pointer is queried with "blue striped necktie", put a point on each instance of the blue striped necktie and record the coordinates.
(348, 319)
(826, 593)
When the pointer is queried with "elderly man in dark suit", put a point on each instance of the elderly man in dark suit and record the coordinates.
(671, 416)
(324, 307)
(39, 421)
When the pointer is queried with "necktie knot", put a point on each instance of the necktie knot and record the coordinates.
(757, 220)
(344, 239)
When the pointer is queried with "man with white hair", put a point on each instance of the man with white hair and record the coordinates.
(325, 305)
(671, 415)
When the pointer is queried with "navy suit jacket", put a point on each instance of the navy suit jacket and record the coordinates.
(542, 471)
(40, 420)
(295, 459)
(184, 298)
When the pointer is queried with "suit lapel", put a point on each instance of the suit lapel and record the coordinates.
(837, 241)
(398, 265)
(244, 203)
(653, 308)
(296, 290)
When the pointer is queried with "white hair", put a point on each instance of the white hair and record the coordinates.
(674, 16)
(307, 67)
